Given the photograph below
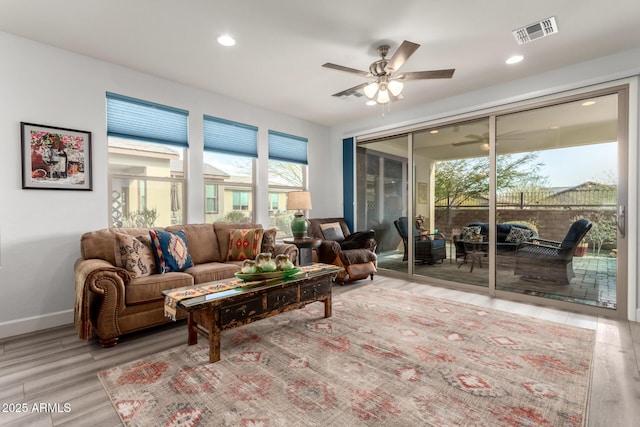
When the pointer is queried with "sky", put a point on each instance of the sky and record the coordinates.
(567, 167)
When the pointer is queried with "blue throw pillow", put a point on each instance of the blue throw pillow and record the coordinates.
(170, 250)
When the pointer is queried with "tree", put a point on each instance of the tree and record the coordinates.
(286, 173)
(603, 230)
(458, 181)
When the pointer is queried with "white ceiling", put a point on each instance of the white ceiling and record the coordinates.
(281, 44)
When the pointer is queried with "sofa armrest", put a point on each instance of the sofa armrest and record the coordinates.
(100, 296)
(286, 249)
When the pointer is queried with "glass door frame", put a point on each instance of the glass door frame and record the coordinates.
(626, 297)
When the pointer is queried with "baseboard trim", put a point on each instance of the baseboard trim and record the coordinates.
(35, 323)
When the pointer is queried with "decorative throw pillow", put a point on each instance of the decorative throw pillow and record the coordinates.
(244, 244)
(467, 233)
(518, 235)
(269, 240)
(135, 254)
(170, 250)
(332, 231)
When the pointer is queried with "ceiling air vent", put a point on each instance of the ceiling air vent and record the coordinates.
(540, 29)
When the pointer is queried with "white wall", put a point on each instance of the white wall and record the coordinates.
(602, 71)
(41, 229)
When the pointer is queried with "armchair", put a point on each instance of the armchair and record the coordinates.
(551, 260)
(355, 252)
(429, 248)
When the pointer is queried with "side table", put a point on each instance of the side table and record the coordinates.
(305, 248)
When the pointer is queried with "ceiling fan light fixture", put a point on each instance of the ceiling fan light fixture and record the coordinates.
(371, 89)
(395, 87)
(383, 96)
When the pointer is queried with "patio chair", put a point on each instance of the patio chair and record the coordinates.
(429, 248)
(551, 260)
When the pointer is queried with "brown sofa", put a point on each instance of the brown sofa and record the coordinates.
(112, 302)
(355, 252)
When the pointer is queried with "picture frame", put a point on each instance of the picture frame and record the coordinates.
(55, 158)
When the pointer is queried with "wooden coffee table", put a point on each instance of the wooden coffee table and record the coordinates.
(210, 314)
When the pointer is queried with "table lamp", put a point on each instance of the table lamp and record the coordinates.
(299, 201)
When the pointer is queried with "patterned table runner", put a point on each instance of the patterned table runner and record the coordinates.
(174, 296)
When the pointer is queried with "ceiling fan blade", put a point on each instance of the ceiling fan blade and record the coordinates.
(347, 69)
(420, 75)
(351, 90)
(457, 144)
(401, 55)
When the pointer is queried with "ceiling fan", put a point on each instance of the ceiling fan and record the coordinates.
(388, 85)
(483, 139)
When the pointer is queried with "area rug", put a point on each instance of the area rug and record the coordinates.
(385, 358)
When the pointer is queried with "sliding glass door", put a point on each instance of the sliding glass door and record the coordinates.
(528, 202)
(381, 171)
(567, 247)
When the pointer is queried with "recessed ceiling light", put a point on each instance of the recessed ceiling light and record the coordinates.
(371, 102)
(226, 40)
(514, 59)
(554, 127)
(587, 103)
(435, 131)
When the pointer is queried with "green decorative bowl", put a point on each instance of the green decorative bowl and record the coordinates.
(264, 276)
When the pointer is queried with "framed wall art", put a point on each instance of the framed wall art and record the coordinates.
(55, 158)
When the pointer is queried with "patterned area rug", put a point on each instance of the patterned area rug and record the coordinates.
(385, 358)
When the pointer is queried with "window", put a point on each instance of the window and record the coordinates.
(240, 200)
(274, 201)
(229, 162)
(211, 198)
(146, 151)
(287, 172)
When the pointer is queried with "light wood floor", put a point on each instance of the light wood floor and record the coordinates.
(53, 366)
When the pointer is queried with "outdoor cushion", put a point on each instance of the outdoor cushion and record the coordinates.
(518, 235)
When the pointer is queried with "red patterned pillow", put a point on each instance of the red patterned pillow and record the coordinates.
(244, 244)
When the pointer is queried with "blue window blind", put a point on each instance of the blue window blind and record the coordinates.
(146, 121)
(287, 148)
(226, 136)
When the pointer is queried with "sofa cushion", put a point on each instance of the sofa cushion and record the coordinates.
(99, 244)
(357, 256)
(244, 244)
(202, 241)
(135, 254)
(332, 231)
(171, 251)
(212, 271)
(269, 240)
(149, 288)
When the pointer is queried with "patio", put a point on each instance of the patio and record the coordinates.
(594, 284)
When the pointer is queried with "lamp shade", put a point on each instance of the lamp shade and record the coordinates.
(298, 200)
(370, 90)
(395, 87)
(383, 96)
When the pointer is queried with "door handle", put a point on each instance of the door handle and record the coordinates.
(621, 220)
